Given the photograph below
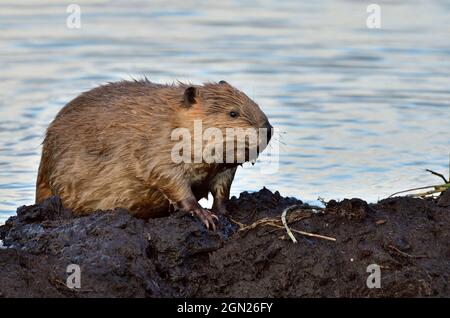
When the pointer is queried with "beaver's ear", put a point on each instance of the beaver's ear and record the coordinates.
(190, 96)
(223, 82)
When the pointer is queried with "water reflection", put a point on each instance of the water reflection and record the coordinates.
(362, 112)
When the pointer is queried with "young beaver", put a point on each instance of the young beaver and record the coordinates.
(111, 147)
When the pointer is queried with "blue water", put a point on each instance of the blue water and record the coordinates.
(362, 111)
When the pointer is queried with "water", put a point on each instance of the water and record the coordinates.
(363, 112)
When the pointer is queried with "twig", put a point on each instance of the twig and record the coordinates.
(239, 224)
(283, 219)
(437, 188)
(278, 227)
(420, 188)
(268, 221)
(322, 200)
(438, 174)
(244, 227)
(329, 238)
(275, 223)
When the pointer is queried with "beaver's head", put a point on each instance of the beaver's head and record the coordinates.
(221, 108)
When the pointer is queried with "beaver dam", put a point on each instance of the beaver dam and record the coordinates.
(251, 254)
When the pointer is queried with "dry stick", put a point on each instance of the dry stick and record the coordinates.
(244, 227)
(276, 228)
(437, 174)
(307, 233)
(296, 231)
(264, 221)
(437, 188)
(283, 219)
(271, 222)
(414, 189)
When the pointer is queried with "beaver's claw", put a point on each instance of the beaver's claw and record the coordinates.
(206, 217)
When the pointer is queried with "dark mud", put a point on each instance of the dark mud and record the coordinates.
(121, 256)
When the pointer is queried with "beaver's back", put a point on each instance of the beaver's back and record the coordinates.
(97, 144)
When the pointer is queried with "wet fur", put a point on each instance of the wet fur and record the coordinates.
(111, 146)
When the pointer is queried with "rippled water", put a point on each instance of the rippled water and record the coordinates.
(363, 112)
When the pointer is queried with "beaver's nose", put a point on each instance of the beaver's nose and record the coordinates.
(269, 130)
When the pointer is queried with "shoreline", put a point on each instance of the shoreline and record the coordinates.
(250, 255)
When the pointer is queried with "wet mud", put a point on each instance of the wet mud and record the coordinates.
(250, 255)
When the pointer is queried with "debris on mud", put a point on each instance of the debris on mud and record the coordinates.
(175, 256)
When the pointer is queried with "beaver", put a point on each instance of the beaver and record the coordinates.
(110, 147)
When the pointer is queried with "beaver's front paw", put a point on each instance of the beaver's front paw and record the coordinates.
(206, 217)
(191, 206)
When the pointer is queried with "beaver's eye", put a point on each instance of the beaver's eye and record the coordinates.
(233, 114)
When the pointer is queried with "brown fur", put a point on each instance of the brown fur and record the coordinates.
(110, 147)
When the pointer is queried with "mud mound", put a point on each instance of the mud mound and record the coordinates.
(121, 256)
